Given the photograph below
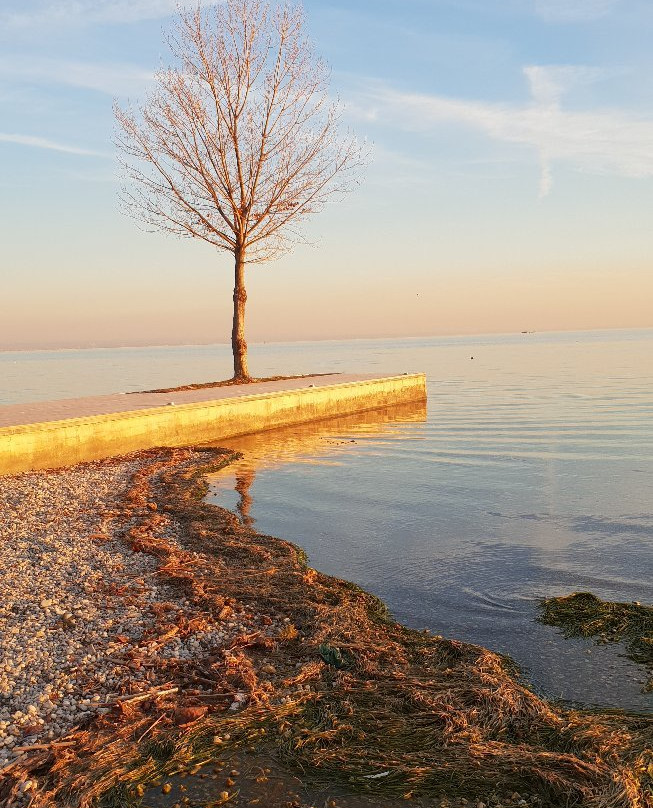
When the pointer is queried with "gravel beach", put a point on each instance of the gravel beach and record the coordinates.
(78, 604)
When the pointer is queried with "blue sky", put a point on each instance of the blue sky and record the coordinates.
(511, 187)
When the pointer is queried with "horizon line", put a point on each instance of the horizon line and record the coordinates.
(42, 348)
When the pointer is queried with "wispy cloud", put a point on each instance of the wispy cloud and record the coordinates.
(574, 10)
(75, 12)
(598, 141)
(113, 79)
(44, 143)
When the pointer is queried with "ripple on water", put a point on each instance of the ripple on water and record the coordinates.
(526, 485)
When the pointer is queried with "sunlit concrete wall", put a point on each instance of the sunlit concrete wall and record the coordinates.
(62, 443)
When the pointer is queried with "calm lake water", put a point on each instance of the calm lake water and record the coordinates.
(529, 474)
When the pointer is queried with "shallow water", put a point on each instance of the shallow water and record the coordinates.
(530, 475)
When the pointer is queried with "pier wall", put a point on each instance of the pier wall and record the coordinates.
(56, 443)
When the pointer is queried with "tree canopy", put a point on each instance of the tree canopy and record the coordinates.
(239, 140)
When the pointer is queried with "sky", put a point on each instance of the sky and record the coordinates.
(511, 186)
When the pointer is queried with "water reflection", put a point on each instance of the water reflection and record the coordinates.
(315, 443)
(244, 480)
(463, 545)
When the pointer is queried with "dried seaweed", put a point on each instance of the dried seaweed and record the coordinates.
(582, 614)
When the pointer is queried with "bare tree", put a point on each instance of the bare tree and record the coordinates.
(239, 141)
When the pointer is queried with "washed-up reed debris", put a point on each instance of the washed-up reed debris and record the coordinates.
(329, 684)
(582, 614)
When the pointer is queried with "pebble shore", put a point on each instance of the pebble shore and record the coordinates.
(77, 603)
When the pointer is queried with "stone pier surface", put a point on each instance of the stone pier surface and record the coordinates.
(52, 434)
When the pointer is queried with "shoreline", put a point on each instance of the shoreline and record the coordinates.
(338, 688)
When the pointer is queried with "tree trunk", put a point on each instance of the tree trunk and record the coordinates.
(238, 344)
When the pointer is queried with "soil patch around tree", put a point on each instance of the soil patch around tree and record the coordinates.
(233, 382)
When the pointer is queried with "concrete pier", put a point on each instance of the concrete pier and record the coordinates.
(52, 434)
